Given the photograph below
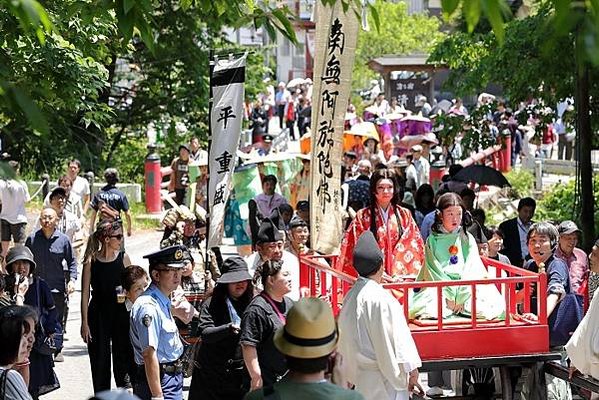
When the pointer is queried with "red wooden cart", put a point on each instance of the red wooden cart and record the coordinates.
(466, 343)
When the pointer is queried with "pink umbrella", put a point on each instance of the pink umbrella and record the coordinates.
(415, 125)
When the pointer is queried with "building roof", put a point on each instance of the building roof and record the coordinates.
(411, 62)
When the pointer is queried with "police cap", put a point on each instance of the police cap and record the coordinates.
(173, 256)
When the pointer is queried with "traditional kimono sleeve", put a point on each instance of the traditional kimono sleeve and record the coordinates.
(409, 254)
(392, 342)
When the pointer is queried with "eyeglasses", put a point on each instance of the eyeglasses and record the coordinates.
(117, 237)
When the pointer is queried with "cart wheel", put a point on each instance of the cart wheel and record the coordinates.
(479, 382)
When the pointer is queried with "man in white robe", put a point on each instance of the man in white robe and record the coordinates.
(583, 346)
(374, 338)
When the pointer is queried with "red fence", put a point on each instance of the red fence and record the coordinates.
(467, 337)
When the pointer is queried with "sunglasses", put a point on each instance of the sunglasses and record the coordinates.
(117, 237)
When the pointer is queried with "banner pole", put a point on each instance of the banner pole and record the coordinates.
(207, 259)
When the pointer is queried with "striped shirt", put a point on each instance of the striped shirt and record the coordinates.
(12, 385)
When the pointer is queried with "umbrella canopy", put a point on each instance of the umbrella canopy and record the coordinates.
(443, 106)
(416, 117)
(408, 141)
(395, 116)
(482, 175)
(365, 129)
(296, 82)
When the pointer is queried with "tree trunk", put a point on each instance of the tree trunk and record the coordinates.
(584, 133)
(115, 143)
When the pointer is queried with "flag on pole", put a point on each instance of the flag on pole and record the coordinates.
(227, 80)
(336, 39)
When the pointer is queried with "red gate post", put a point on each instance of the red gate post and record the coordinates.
(153, 178)
(437, 173)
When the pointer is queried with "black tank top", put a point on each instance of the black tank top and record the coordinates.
(105, 277)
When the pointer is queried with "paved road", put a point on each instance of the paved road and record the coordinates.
(75, 373)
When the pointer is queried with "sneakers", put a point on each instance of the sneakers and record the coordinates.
(58, 357)
(435, 391)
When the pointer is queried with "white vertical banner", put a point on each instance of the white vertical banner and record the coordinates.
(335, 49)
(227, 81)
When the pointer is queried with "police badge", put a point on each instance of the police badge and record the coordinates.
(147, 320)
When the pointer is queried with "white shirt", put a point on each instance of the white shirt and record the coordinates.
(411, 174)
(73, 204)
(423, 169)
(583, 346)
(523, 232)
(80, 187)
(14, 195)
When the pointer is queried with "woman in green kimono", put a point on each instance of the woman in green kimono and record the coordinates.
(451, 254)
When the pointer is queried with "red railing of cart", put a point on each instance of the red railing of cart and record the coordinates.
(446, 339)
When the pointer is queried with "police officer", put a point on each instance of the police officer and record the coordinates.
(154, 334)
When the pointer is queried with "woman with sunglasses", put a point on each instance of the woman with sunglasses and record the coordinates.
(104, 318)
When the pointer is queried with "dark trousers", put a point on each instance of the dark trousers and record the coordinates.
(291, 127)
(109, 328)
(180, 196)
(564, 148)
(60, 301)
(281, 114)
(172, 385)
(440, 379)
(65, 317)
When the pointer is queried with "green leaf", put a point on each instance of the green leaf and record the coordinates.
(31, 16)
(185, 4)
(128, 5)
(449, 7)
(272, 34)
(288, 30)
(6, 171)
(376, 17)
(147, 35)
(471, 13)
(493, 12)
(124, 21)
(250, 5)
(33, 114)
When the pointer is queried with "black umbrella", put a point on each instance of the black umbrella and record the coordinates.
(482, 175)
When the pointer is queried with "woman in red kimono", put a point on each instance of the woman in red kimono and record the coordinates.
(394, 228)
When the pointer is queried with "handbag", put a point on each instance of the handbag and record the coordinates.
(44, 343)
(565, 319)
(188, 358)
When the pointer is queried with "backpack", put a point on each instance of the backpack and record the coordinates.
(107, 212)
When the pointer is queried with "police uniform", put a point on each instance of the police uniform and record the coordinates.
(153, 325)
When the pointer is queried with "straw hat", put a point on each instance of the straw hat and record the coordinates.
(310, 331)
